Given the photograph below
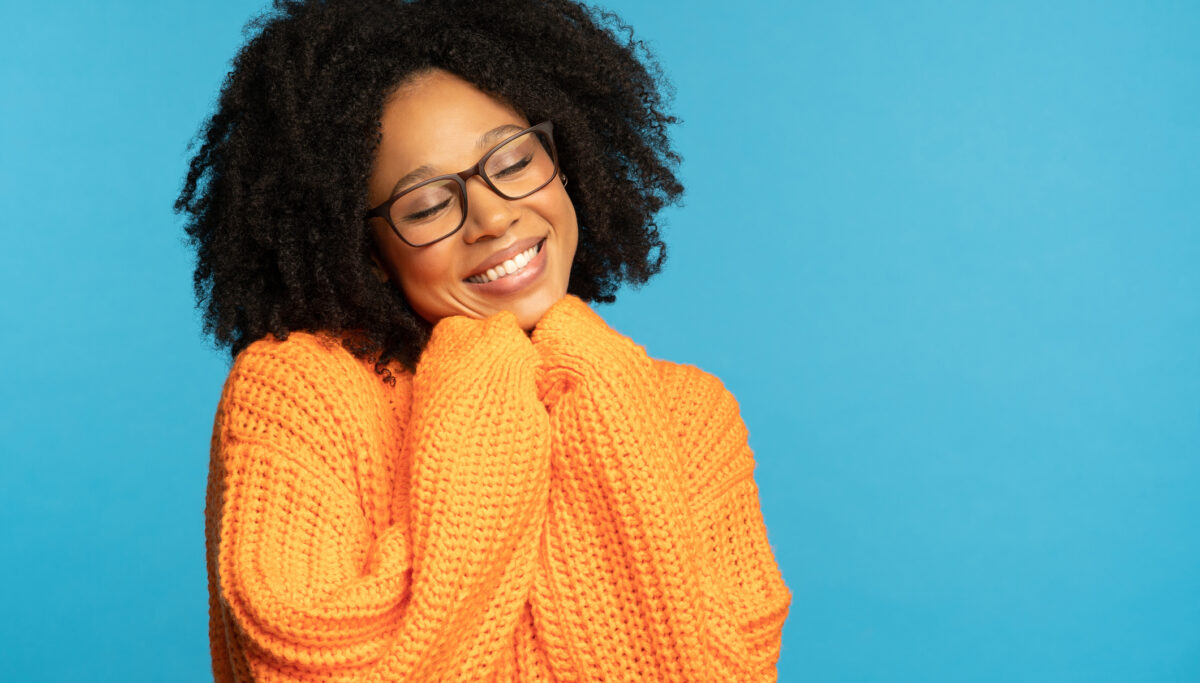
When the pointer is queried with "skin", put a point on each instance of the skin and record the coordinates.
(436, 119)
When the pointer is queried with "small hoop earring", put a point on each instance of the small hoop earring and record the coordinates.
(564, 178)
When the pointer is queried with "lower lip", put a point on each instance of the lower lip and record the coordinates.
(517, 281)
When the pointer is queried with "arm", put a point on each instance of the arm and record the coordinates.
(655, 537)
(306, 591)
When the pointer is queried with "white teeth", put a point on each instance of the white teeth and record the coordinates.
(509, 266)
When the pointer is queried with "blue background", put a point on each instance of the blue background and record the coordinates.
(944, 254)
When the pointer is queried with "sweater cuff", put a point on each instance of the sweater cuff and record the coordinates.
(571, 331)
(574, 343)
(476, 347)
(567, 314)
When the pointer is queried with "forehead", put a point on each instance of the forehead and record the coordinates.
(437, 118)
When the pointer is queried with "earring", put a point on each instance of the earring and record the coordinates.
(564, 178)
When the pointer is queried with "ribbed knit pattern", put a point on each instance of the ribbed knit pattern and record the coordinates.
(554, 508)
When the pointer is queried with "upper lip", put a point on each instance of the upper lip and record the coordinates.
(504, 254)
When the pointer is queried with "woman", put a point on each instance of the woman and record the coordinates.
(432, 461)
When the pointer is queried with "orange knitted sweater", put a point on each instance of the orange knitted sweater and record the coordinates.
(554, 507)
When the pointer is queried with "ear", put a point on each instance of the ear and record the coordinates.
(380, 271)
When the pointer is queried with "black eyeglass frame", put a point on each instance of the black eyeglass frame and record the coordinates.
(384, 210)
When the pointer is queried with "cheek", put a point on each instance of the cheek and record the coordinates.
(421, 276)
(561, 211)
(572, 231)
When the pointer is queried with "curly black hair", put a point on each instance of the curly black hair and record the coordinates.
(276, 193)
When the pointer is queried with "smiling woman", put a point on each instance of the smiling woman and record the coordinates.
(432, 460)
(318, 122)
(522, 247)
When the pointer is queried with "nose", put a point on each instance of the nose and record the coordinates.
(488, 214)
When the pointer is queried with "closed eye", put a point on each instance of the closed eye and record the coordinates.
(431, 211)
(515, 168)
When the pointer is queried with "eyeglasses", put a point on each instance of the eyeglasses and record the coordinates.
(434, 209)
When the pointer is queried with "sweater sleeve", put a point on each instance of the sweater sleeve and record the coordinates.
(655, 539)
(308, 592)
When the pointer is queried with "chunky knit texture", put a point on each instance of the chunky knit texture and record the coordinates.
(554, 507)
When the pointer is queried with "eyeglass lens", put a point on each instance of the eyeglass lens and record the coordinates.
(432, 211)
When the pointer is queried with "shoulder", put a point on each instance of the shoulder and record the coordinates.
(307, 360)
(707, 423)
(688, 383)
(696, 397)
(307, 380)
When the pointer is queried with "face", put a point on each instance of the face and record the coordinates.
(442, 124)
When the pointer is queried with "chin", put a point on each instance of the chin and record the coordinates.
(529, 316)
(530, 311)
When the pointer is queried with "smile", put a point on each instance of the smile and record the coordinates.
(512, 275)
(509, 267)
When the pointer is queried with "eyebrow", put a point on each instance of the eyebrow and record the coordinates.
(425, 171)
